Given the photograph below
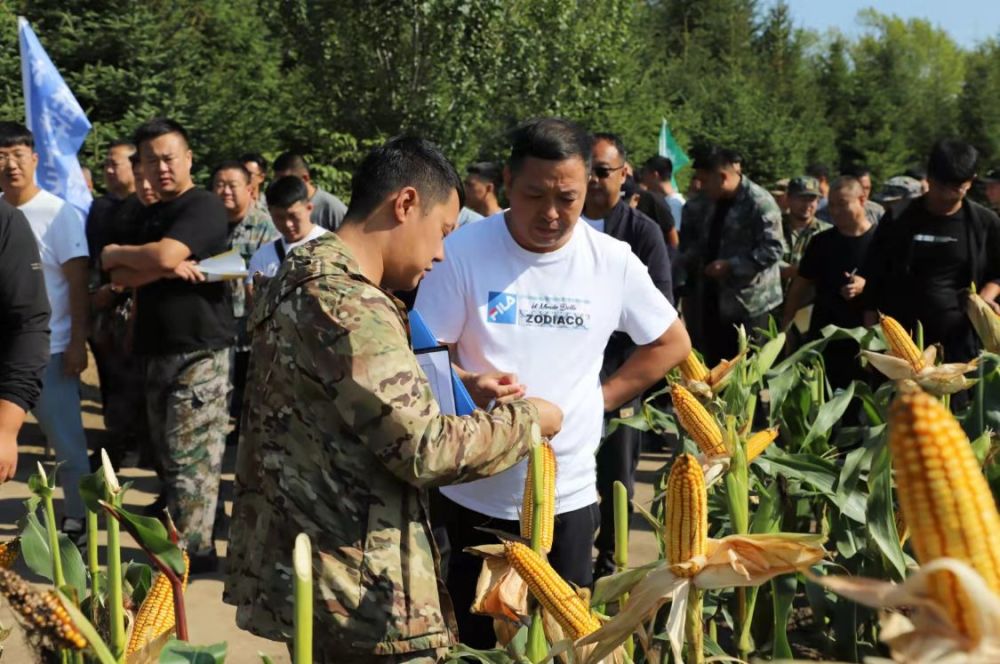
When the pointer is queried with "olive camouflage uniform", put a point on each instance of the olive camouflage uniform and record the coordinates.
(186, 400)
(340, 438)
(753, 245)
(796, 240)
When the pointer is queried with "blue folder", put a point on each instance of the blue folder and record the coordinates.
(423, 338)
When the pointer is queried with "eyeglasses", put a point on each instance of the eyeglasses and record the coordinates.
(14, 157)
(604, 171)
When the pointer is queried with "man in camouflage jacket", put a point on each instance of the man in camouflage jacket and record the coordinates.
(732, 254)
(341, 434)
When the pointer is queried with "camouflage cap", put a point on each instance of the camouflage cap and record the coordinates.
(779, 187)
(992, 176)
(900, 187)
(804, 185)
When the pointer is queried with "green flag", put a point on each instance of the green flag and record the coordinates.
(671, 149)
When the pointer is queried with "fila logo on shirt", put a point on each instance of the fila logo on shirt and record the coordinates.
(538, 311)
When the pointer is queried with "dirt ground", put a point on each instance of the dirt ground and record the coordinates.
(209, 619)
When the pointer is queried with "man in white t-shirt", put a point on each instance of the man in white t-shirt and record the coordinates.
(62, 244)
(528, 299)
(290, 209)
(657, 176)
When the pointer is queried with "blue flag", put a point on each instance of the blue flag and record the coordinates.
(56, 120)
(671, 149)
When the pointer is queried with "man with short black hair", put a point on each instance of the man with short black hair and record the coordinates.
(290, 210)
(925, 255)
(328, 210)
(733, 253)
(863, 175)
(827, 274)
(657, 176)
(256, 166)
(529, 299)
(342, 433)
(607, 211)
(800, 223)
(120, 184)
(62, 246)
(250, 228)
(821, 172)
(184, 330)
(483, 181)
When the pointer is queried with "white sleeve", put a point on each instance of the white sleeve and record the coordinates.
(69, 236)
(646, 314)
(441, 300)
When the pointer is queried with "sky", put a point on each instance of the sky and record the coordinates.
(967, 21)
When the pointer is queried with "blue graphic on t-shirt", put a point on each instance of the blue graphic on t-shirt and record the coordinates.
(502, 308)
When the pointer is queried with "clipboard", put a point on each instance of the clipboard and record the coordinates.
(436, 364)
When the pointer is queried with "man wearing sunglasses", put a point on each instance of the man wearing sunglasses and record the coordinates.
(926, 253)
(607, 211)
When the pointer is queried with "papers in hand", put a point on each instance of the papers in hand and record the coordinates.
(224, 267)
(436, 364)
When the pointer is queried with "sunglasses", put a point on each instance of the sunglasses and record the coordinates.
(604, 171)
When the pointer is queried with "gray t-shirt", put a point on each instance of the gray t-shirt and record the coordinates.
(328, 210)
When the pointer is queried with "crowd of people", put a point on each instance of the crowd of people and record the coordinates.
(571, 282)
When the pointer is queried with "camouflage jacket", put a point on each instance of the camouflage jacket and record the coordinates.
(752, 242)
(246, 237)
(796, 241)
(340, 437)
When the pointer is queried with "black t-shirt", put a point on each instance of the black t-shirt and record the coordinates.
(939, 267)
(175, 316)
(716, 223)
(100, 222)
(828, 256)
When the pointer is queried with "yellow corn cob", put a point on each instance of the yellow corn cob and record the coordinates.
(692, 369)
(552, 592)
(547, 517)
(900, 343)
(9, 552)
(156, 615)
(945, 500)
(697, 421)
(44, 613)
(686, 509)
(759, 442)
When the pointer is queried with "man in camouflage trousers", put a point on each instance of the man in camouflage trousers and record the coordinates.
(342, 436)
(184, 331)
(733, 255)
(250, 228)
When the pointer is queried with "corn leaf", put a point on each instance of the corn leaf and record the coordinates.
(180, 652)
(38, 556)
(881, 516)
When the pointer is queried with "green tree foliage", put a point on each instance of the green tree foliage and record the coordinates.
(332, 78)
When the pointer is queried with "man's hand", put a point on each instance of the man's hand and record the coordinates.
(103, 298)
(789, 272)
(8, 456)
(550, 416)
(495, 386)
(718, 270)
(188, 271)
(854, 287)
(75, 358)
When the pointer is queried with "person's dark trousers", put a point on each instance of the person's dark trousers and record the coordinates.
(617, 459)
(571, 556)
(240, 365)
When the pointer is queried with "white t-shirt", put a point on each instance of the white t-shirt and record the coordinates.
(547, 318)
(265, 260)
(676, 202)
(61, 236)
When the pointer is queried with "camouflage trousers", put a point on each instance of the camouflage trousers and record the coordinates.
(188, 409)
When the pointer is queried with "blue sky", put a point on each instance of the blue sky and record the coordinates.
(968, 21)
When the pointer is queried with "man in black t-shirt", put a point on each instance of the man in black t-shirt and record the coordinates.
(184, 331)
(829, 267)
(925, 255)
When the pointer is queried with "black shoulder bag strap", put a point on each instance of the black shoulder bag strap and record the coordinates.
(279, 248)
